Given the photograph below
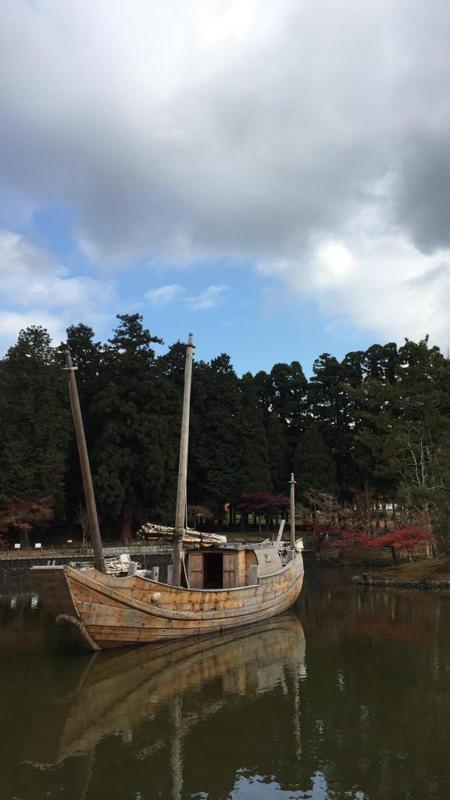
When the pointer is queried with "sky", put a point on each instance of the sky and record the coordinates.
(272, 176)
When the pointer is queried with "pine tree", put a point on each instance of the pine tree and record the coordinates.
(277, 434)
(313, 464)
(254, 467)
(87, 357)
(34, 422)
(288, 392)
(214, 451)
(330, 404)
(128, 412)
(424, 422)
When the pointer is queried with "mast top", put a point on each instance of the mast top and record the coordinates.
(69, 362)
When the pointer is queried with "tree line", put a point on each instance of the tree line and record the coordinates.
(370, 431)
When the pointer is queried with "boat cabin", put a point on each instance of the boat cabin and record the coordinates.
(231, 566)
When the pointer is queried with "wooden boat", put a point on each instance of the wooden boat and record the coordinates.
(225, 586)
(105, 611)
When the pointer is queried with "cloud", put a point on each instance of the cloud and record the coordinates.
(210, 297)
(187, 132)
(244, 131)
(11, 322)
(378, 281)
(36, 289)
(165, 294)
(29, 276)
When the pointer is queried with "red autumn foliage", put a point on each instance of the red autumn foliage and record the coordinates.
(401, 538)
(25, 515)
(406, 538)
(262, 502)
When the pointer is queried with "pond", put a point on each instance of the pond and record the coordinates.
(348, 696)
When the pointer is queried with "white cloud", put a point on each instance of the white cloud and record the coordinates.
(378, 281)
(210, 297)
(336, 264)
(165, 294)
(29, 276)
(11, 322)
(190, 131)
(246, 131)
(35, 289)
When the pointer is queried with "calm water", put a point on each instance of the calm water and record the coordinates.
(349, 697)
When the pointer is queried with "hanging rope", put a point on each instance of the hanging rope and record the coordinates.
(182, 557)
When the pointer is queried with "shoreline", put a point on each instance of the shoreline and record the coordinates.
(427, 575)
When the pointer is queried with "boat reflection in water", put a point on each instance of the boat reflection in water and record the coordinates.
(155, 700)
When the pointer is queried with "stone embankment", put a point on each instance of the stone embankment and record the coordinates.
(424, 574)
(426, 584)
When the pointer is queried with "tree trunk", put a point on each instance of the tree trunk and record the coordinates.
(25, 539)
(244, 520)
(377, 515)
(368, 511)
(126, 520)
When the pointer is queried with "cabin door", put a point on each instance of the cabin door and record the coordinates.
(195, 570)
(213, 570)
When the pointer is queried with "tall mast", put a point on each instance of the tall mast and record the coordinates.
(180, 513)
(292, 485)
(94, 530)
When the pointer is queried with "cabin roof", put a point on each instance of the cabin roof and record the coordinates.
(237, 546)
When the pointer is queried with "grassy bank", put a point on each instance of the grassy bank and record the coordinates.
(433, 573)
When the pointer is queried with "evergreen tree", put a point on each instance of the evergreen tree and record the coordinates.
(87, 357)
(376, 424)
(424, 421)
(277, 432)
(214, 453)
(313, 464)
(254, 468)
(129, 453)
(375, 448)
(382, 363)
(34, 421)
(288, 392)
(331, 405)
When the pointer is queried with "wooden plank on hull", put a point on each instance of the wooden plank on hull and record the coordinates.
(266, 594)
(132, 627)
(136, 610)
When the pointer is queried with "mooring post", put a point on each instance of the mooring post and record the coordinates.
(94, 530)
(180, 512)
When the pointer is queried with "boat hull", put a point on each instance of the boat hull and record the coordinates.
(102, 611)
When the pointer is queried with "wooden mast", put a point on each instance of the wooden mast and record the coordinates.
(180, 513)
(94, 530)
(292, 485)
